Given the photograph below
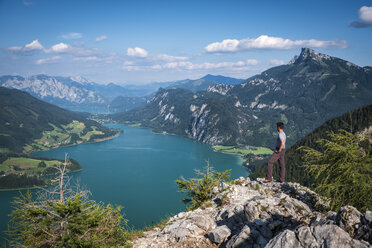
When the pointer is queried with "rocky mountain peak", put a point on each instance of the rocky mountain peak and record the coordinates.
(253, 214)
(308, 54)
(81, 80)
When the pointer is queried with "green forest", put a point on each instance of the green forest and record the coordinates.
(298, 168)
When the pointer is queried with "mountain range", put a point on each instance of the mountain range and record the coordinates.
(81, 94)
(304, 93)
(204, 82)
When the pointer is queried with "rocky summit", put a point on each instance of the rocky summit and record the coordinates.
(250, 213)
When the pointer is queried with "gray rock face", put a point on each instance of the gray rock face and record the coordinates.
(368, 216)
(306, 238)
(271, 215)
(349, 219)
(47, 87)
(241, 239)
(219, 234)
(286, 239)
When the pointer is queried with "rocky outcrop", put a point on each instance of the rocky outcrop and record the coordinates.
(253, 214)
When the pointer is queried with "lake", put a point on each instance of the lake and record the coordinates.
(137, 170)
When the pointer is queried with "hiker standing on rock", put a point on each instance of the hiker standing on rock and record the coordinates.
(277, 155)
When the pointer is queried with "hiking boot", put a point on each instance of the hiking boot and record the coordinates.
(267, 181)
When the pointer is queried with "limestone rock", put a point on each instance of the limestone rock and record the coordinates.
(368, 216)
(286, 239)
(263, 215)
(219, 234)
(306, 238)
(349, 219)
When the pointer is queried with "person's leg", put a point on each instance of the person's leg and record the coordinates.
(272, 160)
(282, 166)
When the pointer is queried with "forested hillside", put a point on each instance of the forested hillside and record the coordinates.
(356, 121)
(28, 124)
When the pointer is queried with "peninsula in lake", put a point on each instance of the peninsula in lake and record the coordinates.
(28, 125)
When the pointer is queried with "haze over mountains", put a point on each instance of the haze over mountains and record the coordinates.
(311, 89)
(78, 93)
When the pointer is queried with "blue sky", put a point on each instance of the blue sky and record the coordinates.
(146, 41)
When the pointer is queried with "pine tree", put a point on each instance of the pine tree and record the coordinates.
(65, 218)
(342, 169)
(199, 190)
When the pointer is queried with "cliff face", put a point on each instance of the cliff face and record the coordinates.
(253, 214)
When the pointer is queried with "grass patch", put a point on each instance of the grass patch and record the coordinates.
(135, 125)
(72, 133)
(257, 187)
(4, 150)
(242, 151)
(264, 208)
(23, 165)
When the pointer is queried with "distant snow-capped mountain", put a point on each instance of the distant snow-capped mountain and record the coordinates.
(56, 90)
(78, 93)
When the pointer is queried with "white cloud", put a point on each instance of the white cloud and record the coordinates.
(252, 62)
(85, 59)
(165, 57)
(34, 45)
(28, 3)
(137, 52)
(101, 38)
(48, 60)
(273, 43)
(276, 62)
(28, 49)
(71, 36)
(60, 48)
(187, 65)
(103, 58)
(365, 15)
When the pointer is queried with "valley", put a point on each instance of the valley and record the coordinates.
(235, 120)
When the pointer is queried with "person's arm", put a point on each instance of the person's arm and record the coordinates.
(281, 145)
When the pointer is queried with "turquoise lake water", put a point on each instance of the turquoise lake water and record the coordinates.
(137, 170)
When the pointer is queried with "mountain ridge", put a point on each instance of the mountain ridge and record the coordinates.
(74, 92)
(302, 94)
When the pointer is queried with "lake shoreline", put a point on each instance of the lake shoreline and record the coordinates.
(38, 187)
(139, 125)
(69, 145)
(134, 170)
(31, 154)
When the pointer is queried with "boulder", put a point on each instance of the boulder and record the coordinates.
(219, 234)
(240, 240)
(285, 239)
(349, 219)
(306, 238)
